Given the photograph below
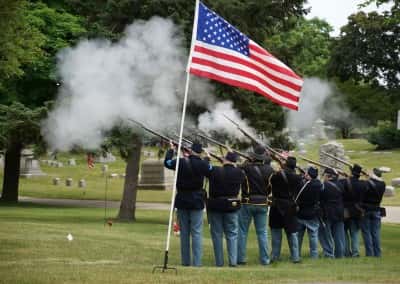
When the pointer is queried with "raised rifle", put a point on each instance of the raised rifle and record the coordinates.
(324, 166)
(223, 145)
(343, 162)
(274, 154)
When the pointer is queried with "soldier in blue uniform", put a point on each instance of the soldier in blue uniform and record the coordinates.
(308, 200)
(331, 236)
(254, 204)
(284, 185)
(354, 189)
(223, 208)
(189, 200)
(371, 222)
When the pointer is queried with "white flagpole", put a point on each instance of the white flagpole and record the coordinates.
(171, 211)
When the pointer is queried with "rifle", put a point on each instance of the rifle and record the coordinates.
(324, 166)
(343, 162)
(215, 156)
(274, 154)
(223, 145)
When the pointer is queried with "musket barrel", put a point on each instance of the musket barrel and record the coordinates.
(223, 145)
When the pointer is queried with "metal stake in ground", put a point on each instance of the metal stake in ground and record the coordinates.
(105, 198)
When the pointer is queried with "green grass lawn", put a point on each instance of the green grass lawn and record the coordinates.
(363, 154)
(34, 249)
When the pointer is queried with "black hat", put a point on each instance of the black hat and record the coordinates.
(196, 147)
(330, 171)
(231, 157)
(377, 172)
(312, 172)
(259, 153)
(356, 170)
(291, 162)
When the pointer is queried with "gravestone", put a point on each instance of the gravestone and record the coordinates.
(82, 183)
(385, 169)
(389, 191)
(107, 158)
(60, 165)
(104, 169)
(319, 129)
(153, 175)
(113, 175)
(396, 182)
(335, 149)
(29, 165)
(71, 162)
(56, 181)
(68, 182)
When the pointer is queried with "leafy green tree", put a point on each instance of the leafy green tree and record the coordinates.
(306, 47)
(30, 80)
(368, 48)
(20, 42)
(19, 127)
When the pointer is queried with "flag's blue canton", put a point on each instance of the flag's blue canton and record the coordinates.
(213, 29)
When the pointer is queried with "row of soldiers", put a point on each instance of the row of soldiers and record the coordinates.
(332, 211)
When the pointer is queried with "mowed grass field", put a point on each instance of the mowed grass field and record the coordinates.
(358, 150)
(34, 249)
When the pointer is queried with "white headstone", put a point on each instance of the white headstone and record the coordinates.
(385, 169)
(68, 182)
(71, 162)
(389, 191)
(113, 175)
(82, 183)
(398, 120)
(56, 181)
(396, 182)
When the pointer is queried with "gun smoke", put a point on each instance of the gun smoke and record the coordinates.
(319, 100)
(140, 77)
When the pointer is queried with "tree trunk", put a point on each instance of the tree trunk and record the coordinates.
(12, 161)
(128, 202)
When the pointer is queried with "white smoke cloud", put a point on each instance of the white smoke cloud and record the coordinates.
(315, 95)
(140, 77)
(214, 120)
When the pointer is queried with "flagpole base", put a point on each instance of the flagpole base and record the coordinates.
(165, 266)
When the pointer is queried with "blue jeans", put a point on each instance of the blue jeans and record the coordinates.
(259, 214)
(191, 225)
(331, 237)
(371, 230)
(276, 236)
(224, 223)
(311, 226)
(351, 231)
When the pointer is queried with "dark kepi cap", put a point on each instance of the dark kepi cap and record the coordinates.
(377, 172)
(312, 172)
(291, 162)
(356, 170)
(330, 171)
(231, 157)
(196, 147)
(259, 153)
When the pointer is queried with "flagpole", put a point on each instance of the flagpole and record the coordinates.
(171, 211)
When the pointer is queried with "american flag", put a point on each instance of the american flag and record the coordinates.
(90, 160)
(221, 52)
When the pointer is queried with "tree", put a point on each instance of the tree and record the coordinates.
(19, 127)
(129, 145)
(368, 48)
(29, 81)
(306, 47)
(20, 42)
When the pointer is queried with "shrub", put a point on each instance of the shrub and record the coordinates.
(385, 136)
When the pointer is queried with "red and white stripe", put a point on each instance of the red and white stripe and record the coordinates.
(260, 72)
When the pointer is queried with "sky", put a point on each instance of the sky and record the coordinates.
(335, 12)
